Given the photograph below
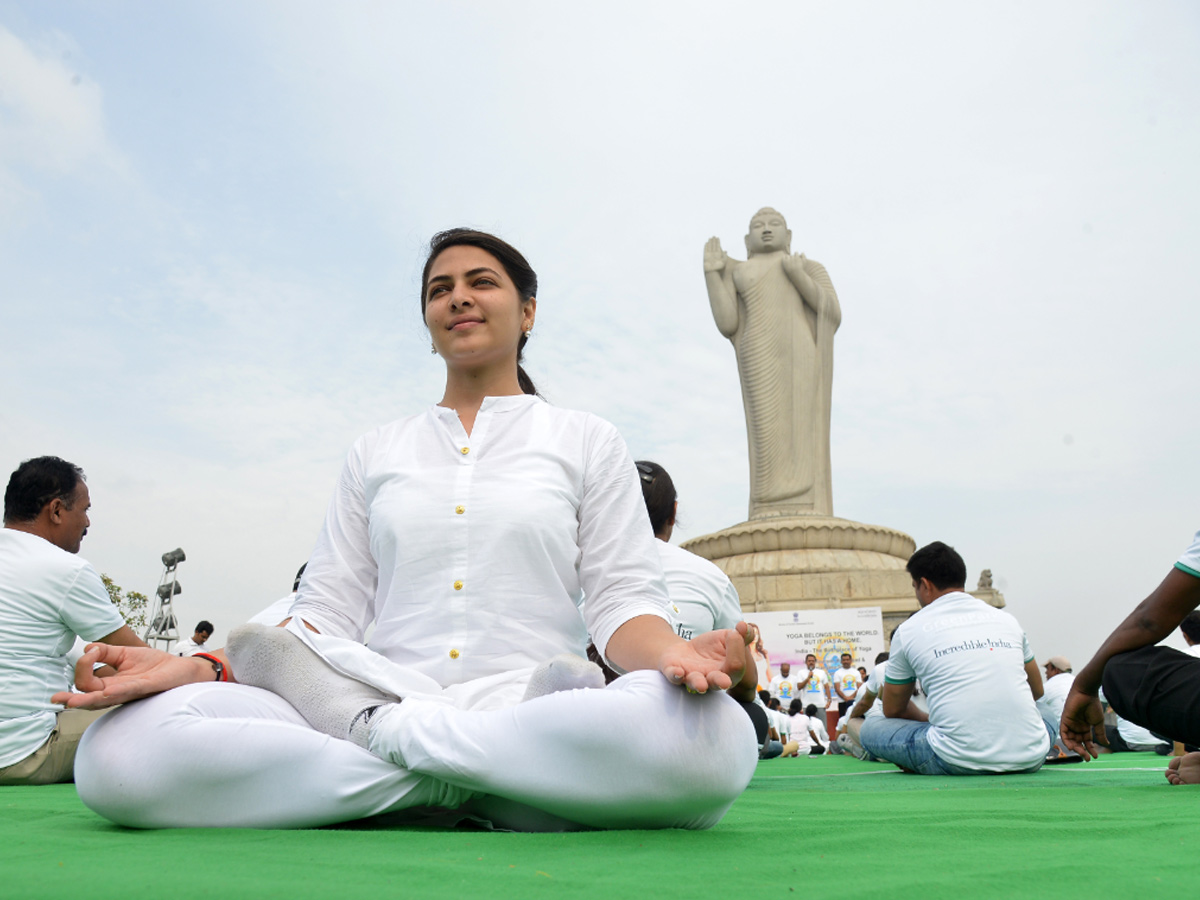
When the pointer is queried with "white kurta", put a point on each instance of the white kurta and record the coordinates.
(471, 556)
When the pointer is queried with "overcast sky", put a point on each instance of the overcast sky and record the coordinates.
(212, 217)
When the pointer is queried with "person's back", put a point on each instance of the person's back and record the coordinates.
(969, 658)
(978, 675)
(703, 596)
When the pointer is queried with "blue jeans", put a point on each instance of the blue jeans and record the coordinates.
(906, 744)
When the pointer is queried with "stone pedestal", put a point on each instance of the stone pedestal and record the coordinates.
(818, 562)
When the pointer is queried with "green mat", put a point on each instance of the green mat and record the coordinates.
(829, 826)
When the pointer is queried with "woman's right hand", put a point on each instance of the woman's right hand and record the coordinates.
(140, 672)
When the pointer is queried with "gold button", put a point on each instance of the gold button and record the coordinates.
(454, 654)
(458, 585)
(460, 509)
(466, 450)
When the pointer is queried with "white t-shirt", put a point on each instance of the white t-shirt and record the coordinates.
(970, 660)
(47, 597)
(814, 691)
(780, 722)
(848, 680)
(784, 688)
(702, 596)
(1054, 696)
(817, 724)
(1137, 737)
(875, 686)
(188, 647)
(473, 554)
(799, 724)
(1189, 560)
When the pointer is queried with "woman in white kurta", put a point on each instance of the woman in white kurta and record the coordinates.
(469, 535)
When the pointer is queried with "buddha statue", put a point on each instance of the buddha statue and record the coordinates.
(780, 311)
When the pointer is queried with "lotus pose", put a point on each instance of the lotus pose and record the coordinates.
(469, 536)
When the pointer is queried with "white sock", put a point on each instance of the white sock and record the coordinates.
(333, 703)
(565, 672)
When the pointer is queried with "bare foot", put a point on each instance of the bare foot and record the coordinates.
(1184, 769)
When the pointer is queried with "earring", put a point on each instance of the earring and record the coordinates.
(529, 332)
(432, 348)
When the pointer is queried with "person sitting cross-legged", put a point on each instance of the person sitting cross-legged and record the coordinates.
(978, 674)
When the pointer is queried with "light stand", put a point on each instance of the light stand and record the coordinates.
(163, 625)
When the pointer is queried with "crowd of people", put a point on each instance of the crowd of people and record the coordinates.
(432, 661)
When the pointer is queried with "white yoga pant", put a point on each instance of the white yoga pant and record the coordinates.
(640, 753)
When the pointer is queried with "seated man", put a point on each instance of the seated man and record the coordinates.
(196, 643)
(48, 595)
(978, 674)
(1155, 687)
(1050, 704)
(868, 704)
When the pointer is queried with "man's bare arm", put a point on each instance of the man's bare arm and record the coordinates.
(1033, 675)
(897, 702)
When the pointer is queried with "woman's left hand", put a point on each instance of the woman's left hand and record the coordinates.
(713, 660)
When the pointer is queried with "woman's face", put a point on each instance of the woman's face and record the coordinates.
(472, 308)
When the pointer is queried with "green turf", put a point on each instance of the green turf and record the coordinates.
(831, 825)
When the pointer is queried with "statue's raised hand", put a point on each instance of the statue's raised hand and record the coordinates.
(793, 266)
(714, 256)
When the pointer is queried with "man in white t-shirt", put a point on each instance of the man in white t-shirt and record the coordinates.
(195, 644)
(1157, 688)
(783, 686)
(978, 675)
(846, 682)
(814, 688)
(1057, 685)
(48, 595)
(868, 704)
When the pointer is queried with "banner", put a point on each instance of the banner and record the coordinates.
(790, 636)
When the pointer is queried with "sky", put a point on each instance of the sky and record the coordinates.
(212, 219)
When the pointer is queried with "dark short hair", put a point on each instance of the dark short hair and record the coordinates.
(523, 277)
(658, 490)
(796, 706)
(811, 709)
(881, 657)
(37, 482)
(940, 563)
(204, 625)
(765, 696)
(1191, 626)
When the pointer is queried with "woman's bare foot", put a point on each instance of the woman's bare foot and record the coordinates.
(1184, 769)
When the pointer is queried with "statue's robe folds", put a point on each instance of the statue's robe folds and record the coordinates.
(784, 349)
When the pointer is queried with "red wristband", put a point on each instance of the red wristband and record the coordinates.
(217, 665)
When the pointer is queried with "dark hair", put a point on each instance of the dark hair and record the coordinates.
(765, 696)
(796, 706)
(811, 709)
(881, 657)
(204, 625)
(658, 490)
(1191, 626)
(523, 277)
(37, 482)
(774, 703)
(940, 563)
(299, 572)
